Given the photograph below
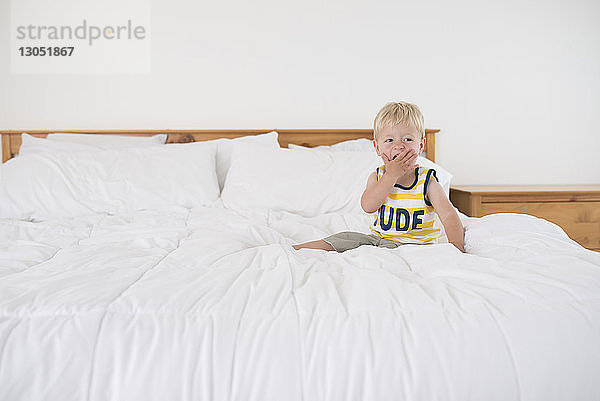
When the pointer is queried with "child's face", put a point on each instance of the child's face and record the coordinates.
(393, 140)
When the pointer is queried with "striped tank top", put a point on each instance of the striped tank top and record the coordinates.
(406, 216)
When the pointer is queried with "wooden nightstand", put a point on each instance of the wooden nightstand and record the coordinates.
(576, 208)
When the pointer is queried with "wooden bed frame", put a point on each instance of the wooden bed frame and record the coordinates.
(11, 140)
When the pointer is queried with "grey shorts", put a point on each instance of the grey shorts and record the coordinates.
(347, 240)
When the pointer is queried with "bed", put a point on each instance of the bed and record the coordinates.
(166, 272)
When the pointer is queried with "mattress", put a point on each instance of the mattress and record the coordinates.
(213, 304)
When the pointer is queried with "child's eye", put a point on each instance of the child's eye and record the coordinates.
(407, 139)
(389, 140)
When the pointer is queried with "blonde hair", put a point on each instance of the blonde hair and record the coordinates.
(395, 113)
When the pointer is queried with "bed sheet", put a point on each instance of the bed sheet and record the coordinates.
(214, 304)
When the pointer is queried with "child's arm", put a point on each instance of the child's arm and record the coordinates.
(454, 229)
(376, 191)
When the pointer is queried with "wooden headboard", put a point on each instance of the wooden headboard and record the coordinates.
(11, 140)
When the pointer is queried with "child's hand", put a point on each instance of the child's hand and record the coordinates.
(403, 163)
(460, 246)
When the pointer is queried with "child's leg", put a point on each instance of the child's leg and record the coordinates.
(320, 244)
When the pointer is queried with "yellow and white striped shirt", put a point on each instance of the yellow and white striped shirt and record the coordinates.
(406, 216)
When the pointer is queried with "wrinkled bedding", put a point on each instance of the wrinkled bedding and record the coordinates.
(213, 304)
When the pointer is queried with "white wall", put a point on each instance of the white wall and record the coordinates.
(499, 78)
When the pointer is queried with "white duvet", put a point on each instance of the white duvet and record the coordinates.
(212, 304)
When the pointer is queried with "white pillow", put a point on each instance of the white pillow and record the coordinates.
(77, 143)
(352, 145)
(56, 185)
(225, 147)
(296, 181)
(62, 143)
(31, 144)
(444, 176)
(108, 140)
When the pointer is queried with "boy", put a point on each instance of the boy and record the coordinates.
(402, 196)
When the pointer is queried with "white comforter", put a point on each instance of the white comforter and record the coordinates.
(211, 304)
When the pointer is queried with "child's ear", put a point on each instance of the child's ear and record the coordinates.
(376, 147)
